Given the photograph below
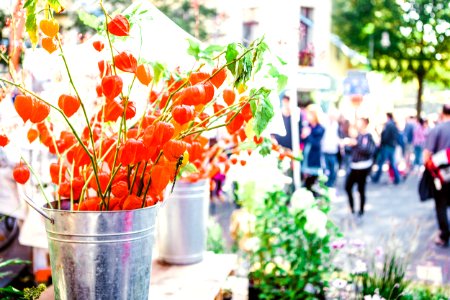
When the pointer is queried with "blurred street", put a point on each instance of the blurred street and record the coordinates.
(395, 217)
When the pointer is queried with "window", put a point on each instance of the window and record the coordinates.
(306, 27)
(250, 25)
(306, 54)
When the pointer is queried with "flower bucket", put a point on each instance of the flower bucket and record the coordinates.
(182, 223)
(101, 255)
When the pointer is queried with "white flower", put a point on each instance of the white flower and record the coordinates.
(316, 222)
(282, 263)
(339, 283)
(302, 199)
(269, 268)
(251, 244)
(360, 267)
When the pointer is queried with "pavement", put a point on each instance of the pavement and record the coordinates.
(394, 219)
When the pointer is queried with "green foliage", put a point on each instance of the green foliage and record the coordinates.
(86, 22)
(10, 262)
(215, 241)
(290, 261)
(10, 293)
(418, 32)
(264, 110)
(390, 282)
(34, 292)
(206, 54)
(282, 79)
(427, 293)
(30, 22)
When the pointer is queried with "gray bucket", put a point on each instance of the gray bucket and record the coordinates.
(101, 255)
(182, 223)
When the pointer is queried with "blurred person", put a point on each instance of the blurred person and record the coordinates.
(344, 156)
(419, 138)
(362, 151)
(285, 141)
(389, 140)
(439, 139)
(408, 135)
(330, 147)
(312, 136)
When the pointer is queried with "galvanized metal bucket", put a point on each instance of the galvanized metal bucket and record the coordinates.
(101, 255)
(182, 223)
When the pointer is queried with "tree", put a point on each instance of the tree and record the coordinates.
(409, 39)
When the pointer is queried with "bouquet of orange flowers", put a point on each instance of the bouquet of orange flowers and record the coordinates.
(124, 159)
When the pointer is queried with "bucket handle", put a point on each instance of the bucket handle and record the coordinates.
(38, 209)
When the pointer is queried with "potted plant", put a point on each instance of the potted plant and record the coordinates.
(186, 211)
(289, 256)
(111, 173)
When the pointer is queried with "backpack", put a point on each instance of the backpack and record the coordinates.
(439, 165)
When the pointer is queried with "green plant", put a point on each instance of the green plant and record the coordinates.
(291, 258)
(426, 292)
(389, 282)
(11, 293)
(215, 241)
(10, 262)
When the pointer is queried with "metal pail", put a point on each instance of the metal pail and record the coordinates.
(101, 255)
(182, 223)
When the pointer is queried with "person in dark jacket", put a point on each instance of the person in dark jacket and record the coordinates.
(389, 138)
(363, 149)
(439, 139)
(312, 152)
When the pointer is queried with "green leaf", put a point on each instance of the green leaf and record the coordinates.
(253, 107)
(11, 292)
(188, 169)
(213, 49)
(28, 3)
(11, 262)
(31, 23)
(89, 19)
(264, 112)
(230, 55)
(244, 70)
(282, 62)
(56, 5)
(282, 82)
(194, 49)
(158, 71)
(258, 56)
(281, 78)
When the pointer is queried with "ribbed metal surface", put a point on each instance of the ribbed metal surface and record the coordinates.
(182, 223)
(101, 255)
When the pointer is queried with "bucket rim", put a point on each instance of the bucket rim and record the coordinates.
(47, 209)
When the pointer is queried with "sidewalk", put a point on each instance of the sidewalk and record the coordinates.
(395, 217)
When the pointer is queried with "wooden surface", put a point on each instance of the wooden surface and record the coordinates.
(200, 281)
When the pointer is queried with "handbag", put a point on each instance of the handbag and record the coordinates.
(426, 186)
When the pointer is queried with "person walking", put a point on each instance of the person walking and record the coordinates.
(439, 139)
(408, 134)
(330, 147)
(363, 149)
(312, 136)
(419, 138)
(389, 138)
